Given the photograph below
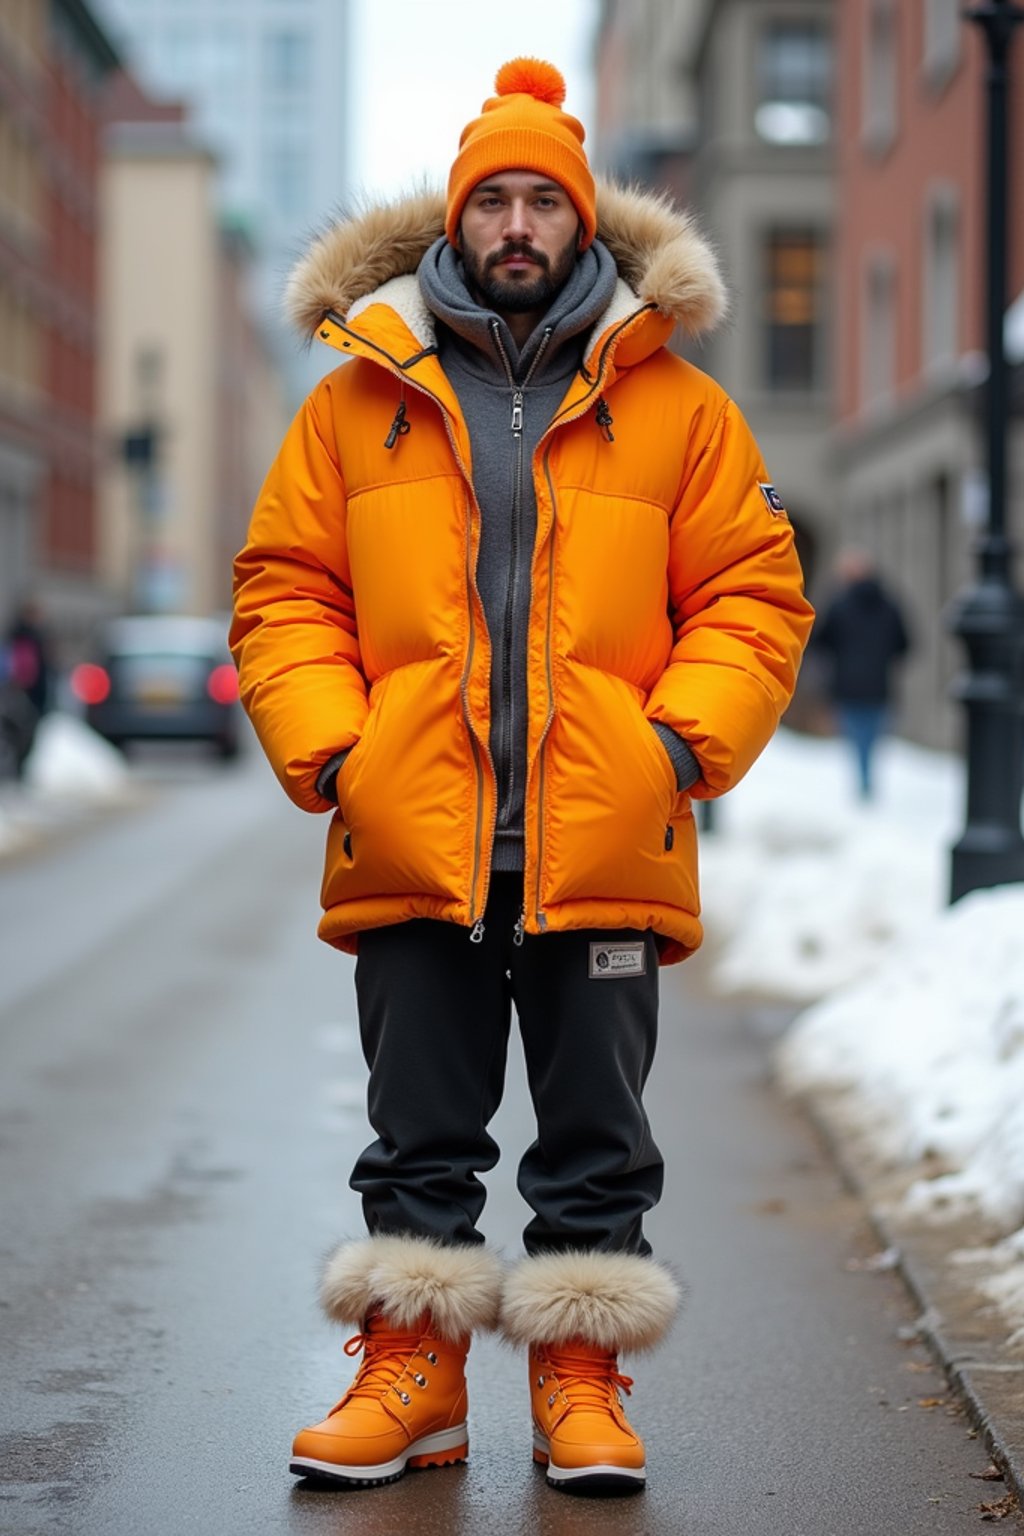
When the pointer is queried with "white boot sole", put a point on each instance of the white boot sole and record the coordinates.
(599, 1475)
(446, 1440)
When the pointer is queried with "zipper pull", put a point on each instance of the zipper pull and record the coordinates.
(399, 427)
(518, 930)
(517, 412)
(604, 418)
(476, 933)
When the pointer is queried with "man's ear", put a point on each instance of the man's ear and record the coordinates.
(457, 242)
(581, 234)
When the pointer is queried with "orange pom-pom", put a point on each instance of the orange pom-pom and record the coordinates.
(531, 77)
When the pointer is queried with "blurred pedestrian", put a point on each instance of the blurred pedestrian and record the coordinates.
(864, 633)
(27, 659)
(515, 589)
(26, 681)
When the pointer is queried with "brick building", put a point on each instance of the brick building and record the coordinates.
(729, 104)
(54, 60)
(908, 446)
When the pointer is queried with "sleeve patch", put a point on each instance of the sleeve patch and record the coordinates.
(774, 502)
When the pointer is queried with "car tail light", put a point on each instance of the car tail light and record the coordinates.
(90, 684)
(222, 684)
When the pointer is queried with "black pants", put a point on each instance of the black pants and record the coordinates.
(434, 1013)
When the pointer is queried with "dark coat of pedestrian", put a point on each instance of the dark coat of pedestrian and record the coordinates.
(864, 634)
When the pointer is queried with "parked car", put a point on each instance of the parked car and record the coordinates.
(161, 678)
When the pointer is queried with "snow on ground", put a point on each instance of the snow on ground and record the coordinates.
(69, 769)
(68, 758)
(917, 1041)
(803, 885)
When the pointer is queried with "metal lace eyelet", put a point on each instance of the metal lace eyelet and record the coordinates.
(420, 1381)
(406, 1399)
(551, 1399)
(540, 1381)
(431, 1357)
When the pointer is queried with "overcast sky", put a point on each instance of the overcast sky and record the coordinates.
(422, 68)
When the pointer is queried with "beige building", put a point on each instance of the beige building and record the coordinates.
(191, 405)
(730, 106)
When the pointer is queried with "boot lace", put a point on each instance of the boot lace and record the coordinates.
(386, 1356)
(586, 1380)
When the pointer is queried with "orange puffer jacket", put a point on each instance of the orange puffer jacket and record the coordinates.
(665, 587)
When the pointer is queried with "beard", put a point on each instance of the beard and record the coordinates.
(519, 293)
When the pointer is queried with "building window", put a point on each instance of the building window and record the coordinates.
(878, 332)
(794, 314)
(943, 28)
(286, 178)
(286, 60)
(880, 77)
(941, 289)
(794, 84)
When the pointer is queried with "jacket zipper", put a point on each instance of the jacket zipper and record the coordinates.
(505, 760)
(573, 413)
(475, 911)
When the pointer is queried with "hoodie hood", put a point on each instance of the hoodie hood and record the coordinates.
(579, 303)
(660, 256)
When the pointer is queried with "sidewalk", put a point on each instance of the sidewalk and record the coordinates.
(969, 1336)
(161, 1336)
(910, 1057)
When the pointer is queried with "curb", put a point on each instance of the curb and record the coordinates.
(965, 1335)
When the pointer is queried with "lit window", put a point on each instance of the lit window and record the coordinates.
(794, 84)
(794, 318)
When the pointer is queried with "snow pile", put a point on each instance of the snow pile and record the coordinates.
(916, 1047)
(803, 886)
(924, 1058)
(68, 760)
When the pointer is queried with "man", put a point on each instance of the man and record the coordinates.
(515, 590)
(863, 632)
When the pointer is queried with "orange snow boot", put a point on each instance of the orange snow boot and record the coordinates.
(580, 1432)
(416, 1303)
(575, 1310)
(405, 1408)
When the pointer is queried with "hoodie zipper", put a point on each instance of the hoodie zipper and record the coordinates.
(505, 758)
(475, 910)
(573, 413)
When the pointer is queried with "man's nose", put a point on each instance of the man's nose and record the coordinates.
(518, 220)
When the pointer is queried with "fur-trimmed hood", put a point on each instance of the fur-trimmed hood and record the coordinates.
(656, 246)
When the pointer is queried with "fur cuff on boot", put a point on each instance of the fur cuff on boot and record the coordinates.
(615, 1301)
(406, 1276)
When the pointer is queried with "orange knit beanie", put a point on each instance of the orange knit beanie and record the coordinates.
(523, 128)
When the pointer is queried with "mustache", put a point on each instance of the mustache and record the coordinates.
(518, 248)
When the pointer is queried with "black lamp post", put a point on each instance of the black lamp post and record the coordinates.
(989, 618)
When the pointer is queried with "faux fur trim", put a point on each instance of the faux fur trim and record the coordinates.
(615, 1301)
(405, 1277)
(656, 246)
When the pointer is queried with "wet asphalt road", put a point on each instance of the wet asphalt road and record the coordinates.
(181, 1099)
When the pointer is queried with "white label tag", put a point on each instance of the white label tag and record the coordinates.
(617, 960)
